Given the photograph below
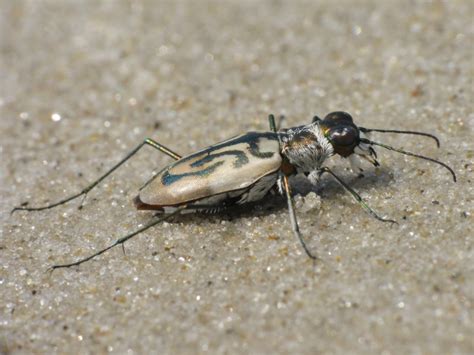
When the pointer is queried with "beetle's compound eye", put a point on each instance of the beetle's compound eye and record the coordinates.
(340, 130)
(339, 116)
(343, 136)
(343, 139)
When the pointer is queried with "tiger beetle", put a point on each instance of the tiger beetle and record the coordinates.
(247, 167)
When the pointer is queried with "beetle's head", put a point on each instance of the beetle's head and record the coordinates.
(340, 131)
(346, 139)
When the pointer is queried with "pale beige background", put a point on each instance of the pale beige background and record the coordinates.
(82, 82)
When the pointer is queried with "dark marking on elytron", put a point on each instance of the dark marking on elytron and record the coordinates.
(254, 150)
(241, 158)
(250, 138)
(168, 179)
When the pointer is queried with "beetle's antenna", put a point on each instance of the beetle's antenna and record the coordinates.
(367, 130)
(119, 241)
(367, 141)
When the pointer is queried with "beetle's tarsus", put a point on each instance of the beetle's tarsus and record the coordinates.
(386, 220)
(308, 252)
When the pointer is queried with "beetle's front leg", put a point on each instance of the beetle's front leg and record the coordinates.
(281, 191)
(356, 165)
(314, 176)
(355, 195)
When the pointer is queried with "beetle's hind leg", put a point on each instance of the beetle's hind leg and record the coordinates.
(120, 241)
(85, 191)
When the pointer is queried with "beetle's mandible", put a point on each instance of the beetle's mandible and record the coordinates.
(247, 167)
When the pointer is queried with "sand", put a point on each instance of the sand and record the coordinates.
(82, 83)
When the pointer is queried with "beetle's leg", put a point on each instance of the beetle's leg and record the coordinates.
(294, 222)
(162, 148)
(119, 241)
(281, 118)
(271, 121)
(355, 195)
(84, 192)
(284, 184)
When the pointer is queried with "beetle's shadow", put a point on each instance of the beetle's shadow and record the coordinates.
(328, 189)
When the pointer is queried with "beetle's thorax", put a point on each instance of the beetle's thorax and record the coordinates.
(305, 147)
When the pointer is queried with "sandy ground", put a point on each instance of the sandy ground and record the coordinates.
(82, 83)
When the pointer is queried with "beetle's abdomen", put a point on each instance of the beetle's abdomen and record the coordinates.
(233, 165)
